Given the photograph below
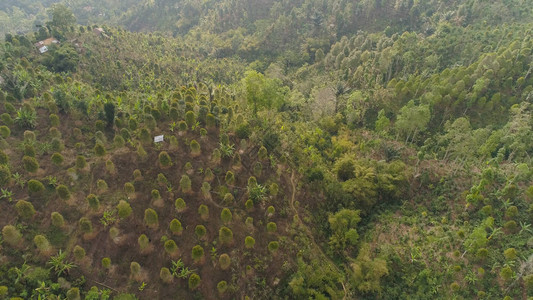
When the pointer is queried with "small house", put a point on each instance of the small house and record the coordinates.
(43, 49)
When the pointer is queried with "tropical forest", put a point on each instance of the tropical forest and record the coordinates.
(266, 149)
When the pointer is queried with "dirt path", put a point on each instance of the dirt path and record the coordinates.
(318, 250)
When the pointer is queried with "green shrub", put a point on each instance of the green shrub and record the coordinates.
(249, 222)
(35, 188)
(3, 290)
(149, 122)
(164, 159)
(206, 190)
(170, 247)
(144, 136)
(185, 184)
(482, 253)
(4, 159)
(200, 231)
(144, 242)
(262, 153)
(73, 294)
(224, 139)
(510, 226)
(270, 211)
(249, 242)
(101, 186)
(455, 287)
(119, 141)
(528, 282)
(173, 141)
(5, 132)
(243, 131)
(110, 167)
(511, 212)
(125, 134)
(30, 164)
(194, 281)
(81, 163)
(195, 148)
(197, 253)
(93, 201)
(8, 121)
(203, 211)
(57, 159)
(57, 219)
(182, 126)
(506, 273)
(203, 132)
(258, 169)
(224, 261)
(79, 252)
(274, 189)
(99, 125)
(124, 209)
(252, 181)
(54, 133)
(510, 254)
(190, 119)
(5, 175)
(180, 205)
(29, 150)
(42, 243)
(54, 120)
(273, 246)
(165, 275)
(229, 178)
(226, 216)
(162, 179)
(249, 205)
(137, 175)
(155, 194)
(215, 156)
(135, 269)
(63, 192)
(11, 235)
(222, 286)
(150, 218)
(208, 175)
(272, 227)
(25, 209)
(106, 262)
(225, 235)
(210, 120)
(99, 150)
(175, 227)
(86, 226)
(29, 136)
(132, 124)
(57, 145)
(188, 167)
(129, 188)
(228, 199)
(173, 114)
(237, 161)
(76, 132)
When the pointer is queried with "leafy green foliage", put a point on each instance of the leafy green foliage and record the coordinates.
(59, 263)
(344, 230)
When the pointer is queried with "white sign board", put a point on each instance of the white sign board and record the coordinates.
(158, 139)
